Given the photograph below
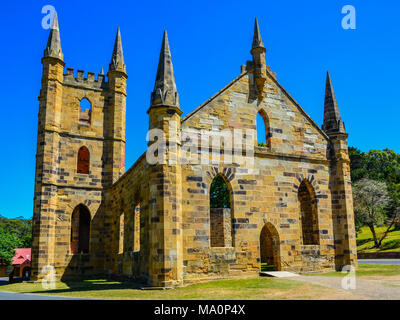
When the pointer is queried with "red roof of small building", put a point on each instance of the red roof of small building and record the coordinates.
(22, 255)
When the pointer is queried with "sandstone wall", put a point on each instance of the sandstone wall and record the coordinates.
(130, 196)
(264, 191)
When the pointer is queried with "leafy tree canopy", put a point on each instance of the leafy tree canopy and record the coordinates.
(14, 233)
(379, 165)
(382, 166)
(8, 242)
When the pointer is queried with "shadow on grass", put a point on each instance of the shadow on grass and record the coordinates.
(386, 245)
(391, 244)
(93, 285)
(361, 242)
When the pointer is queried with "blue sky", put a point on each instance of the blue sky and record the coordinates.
(209, 41)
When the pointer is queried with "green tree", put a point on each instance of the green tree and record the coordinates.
(358, 163)
(20, 227)
(371, 199)
(383, 165)
(26, 241)
(379, 165)
(8, 242)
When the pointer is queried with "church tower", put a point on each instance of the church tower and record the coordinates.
(45, 202)
(166, 257)
(80, 152)
(340, 182)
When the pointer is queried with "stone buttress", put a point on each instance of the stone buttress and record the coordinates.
(165, 204)
(340, 182)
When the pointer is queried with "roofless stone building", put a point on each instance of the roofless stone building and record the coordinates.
(289, 203)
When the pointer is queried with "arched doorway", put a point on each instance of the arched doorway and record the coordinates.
(80, 230)
(270, 248)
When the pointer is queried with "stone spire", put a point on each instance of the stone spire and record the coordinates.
(260, 68)
(165, 92)
(53, 48)
(332, 120)
(257, 40)
(117, 59)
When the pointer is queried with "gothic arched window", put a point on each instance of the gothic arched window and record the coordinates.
(121, 229)
(136, 227)
(85, 112)
(263, 134)
(83, 160)
(308, 214)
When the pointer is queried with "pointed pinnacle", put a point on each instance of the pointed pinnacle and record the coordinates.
(53, 47)
(102, 70)
(329, 88)
(165, 43)
(165, 92)
(117, 59)
(257, 40)
(55, 21)
(332, 120)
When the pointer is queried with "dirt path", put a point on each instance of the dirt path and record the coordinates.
(365, 288)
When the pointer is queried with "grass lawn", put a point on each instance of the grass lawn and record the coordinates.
(365, 241)
(255, 288)
(250, 288)
(367, 270)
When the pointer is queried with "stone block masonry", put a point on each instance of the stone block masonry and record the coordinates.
(220, 227)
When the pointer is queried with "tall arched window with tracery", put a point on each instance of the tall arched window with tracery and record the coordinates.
(83, 162)
(263, 130)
